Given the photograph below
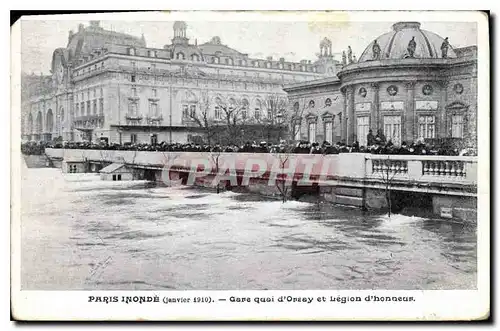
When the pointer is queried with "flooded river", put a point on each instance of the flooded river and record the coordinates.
(82, 233)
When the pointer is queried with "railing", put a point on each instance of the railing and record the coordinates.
(425, 168)
(393, 167)
(353, 167)
(445, 168)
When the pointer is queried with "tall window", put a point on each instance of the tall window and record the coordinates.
(131, 51)
(192, 110)
(426, 127)
(218, 112)
(133, 138)
(154, 93)
(269, 114)
(180, 56)
(94, 107)
(312, 104)
(101, 106)
(296, 131)
(82, 108)
(154, 139)
(153, 109)
(328, 102)
(185, 111)
(88, 107)
(257, 114)
(77, 108)
(132, 108)
(329, 131)
(132, 78)
(312, 132)
(244, 108)
(457, 126)
(392, 129)
(363, 128)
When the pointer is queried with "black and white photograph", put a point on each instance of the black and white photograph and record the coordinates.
(315, 163)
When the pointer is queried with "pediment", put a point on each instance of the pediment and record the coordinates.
(457, 105)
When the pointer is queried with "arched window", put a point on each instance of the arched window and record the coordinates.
(311, 104)
(296, 106)
(218, 110)
(49, 122)
(258, 107)
(62, 114)
(244, 108)
(195, 57)
(180, 56)
(328, 102)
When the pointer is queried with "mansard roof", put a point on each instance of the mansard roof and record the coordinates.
(92, 37)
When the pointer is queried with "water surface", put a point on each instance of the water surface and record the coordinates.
(82, 233)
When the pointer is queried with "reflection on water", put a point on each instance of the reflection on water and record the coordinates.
(82, 233)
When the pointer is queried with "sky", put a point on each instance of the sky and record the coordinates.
(273, 36)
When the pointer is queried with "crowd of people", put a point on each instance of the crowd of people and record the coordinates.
(377, 145)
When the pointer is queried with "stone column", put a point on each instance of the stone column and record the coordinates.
(375, 119)
(351, 119)
(343, 123)
(441, 120)
(409, 117)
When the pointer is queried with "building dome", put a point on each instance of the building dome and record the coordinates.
(180, 25)
(396, 44)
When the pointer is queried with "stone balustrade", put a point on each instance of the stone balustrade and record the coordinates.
(426, 168)
(352, 166)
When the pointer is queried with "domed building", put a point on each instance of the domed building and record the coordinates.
(408, 84)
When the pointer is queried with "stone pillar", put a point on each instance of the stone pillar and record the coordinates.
(409, 117)
(441, 125)
(343, 123)
(351, 119)
(375, 119)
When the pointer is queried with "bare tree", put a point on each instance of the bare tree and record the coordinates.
(387, 173)
(203, 119)
(281, 182)
(275, 106)
(215, 156)
(232, 117)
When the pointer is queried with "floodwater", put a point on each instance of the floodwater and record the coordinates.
(80, 233)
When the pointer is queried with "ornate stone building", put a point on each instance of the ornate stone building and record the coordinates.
(410, 83)
(109, 85)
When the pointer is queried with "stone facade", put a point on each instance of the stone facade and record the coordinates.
(110, 85)
(428, 94)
